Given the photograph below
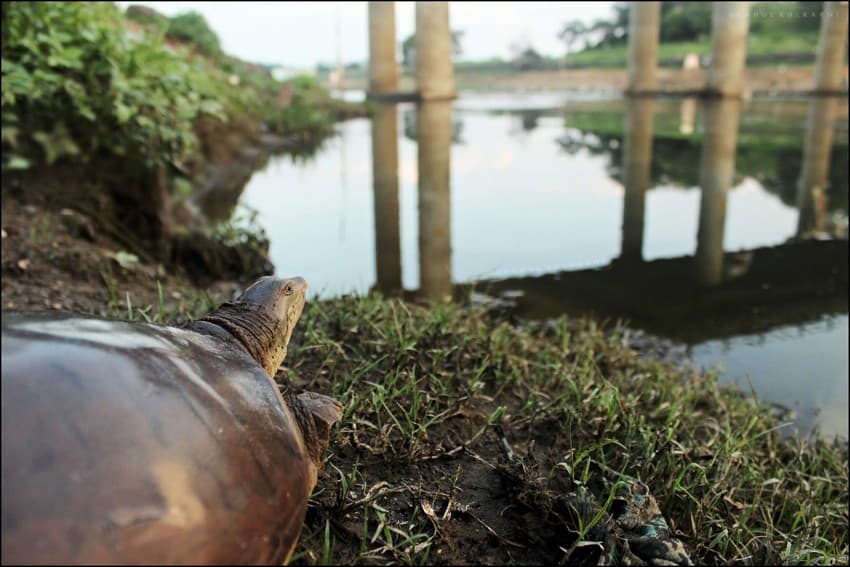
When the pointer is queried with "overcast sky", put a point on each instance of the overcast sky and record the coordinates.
(304, 33)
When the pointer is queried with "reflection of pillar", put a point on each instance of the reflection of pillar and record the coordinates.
(385, 186)
(817, 149)
(832, 46)
(729, 24)
(644, 18)
(717, 169)
(434, 70)
(687, 114)
(434, 126)
(637, 157)
(383, 68)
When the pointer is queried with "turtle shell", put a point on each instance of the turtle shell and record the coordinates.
(135, 443)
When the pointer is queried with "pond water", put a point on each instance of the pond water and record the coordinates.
(718, 225)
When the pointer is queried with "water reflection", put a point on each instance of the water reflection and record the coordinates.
(687, 115)
(717, 168)
(680, 216)
(385, 186)
(434, 126)
(411, 126)
(817, 150)
(637, 158)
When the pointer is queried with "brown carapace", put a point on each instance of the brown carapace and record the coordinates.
(136, 443)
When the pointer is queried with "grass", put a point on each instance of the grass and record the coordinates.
(178, 308)
(432, 394)
(464, 431)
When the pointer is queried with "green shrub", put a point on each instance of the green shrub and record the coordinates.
(307, 111)
(75, 84)
(192, 28)
(305, 83)
(146, 17)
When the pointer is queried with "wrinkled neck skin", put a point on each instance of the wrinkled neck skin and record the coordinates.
(265, 338)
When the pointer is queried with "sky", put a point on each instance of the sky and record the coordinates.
(302, 34)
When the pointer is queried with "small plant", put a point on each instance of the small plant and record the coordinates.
(241, 228)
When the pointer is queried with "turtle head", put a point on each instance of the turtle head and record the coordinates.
(281, 299)
(262, 318)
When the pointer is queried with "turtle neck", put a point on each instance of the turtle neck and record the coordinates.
(249, 323)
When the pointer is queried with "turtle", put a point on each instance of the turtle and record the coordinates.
(129, 442)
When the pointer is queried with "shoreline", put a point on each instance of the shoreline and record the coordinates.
(759, 82)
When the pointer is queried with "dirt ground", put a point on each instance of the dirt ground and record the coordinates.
(60, 260)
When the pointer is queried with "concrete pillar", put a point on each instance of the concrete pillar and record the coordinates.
(385, 187)
(434, 127)
(644, 27)
(637, 158)
(717, 170)
(687, 115)
(817, 150)
(434, 68)
(383, 67)
(832, 47)
(729, 26)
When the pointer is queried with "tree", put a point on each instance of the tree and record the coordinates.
(529, 60)
(572, 31)
(685, 21)
(612, 32)
(408, 48)
(191, 27)
(146, 16)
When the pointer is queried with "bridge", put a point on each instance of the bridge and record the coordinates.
(730, 28)
(701, 296)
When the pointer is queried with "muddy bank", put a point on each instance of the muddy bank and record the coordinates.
(72, 218)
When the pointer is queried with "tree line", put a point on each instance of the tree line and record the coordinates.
(687, 21)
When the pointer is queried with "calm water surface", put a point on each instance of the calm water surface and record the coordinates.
(721, 226)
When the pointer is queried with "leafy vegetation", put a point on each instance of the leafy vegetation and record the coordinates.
(191, 27)
(146, 17)
(75, 84)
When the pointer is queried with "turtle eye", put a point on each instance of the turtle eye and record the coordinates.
(288, 289)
